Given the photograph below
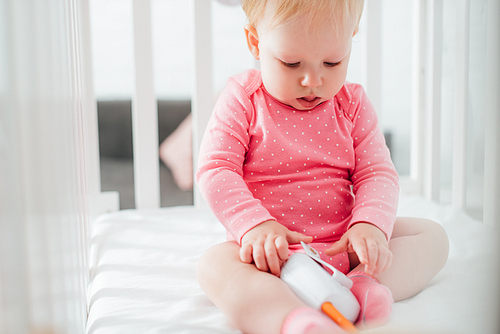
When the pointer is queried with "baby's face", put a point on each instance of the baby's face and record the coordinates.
(300, 67)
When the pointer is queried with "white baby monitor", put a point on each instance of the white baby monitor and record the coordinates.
(312, 283)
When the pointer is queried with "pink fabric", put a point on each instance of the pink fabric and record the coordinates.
(374, 299)
(316, 172)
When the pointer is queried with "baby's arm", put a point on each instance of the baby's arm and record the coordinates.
(267, 245)
(220, 166)
(220, 177)
(375, 186)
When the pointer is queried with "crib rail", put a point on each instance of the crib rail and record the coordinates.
(492, 135)
(461, 98)
(203, 93)
(144, 112)
(144, 108)
(426, 134)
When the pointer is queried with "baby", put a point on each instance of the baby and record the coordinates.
(294, 153)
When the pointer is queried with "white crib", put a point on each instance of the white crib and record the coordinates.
(133, 271)
(426, 133)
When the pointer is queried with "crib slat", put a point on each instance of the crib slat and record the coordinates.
(203, 97)
(433, 95)
(460, 110)
(144, 112)
(373, 53)
(491, 211)
(100, 202)
(418, 96)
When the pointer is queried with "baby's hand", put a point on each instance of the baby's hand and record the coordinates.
(267, 245)
(370, 245)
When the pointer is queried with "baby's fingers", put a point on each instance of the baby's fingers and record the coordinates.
(273, 261)
(281, 247)
(378, 257)
(254, 252)
(246, 253)
(360, 248)
(372, 264)
(259, 257)
(338, 247)
(384, 261)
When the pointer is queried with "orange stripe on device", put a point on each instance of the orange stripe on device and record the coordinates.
(339, 319)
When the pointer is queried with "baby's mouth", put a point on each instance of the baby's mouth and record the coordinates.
(309, 101)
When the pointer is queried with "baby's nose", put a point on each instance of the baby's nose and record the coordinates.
(312, 79)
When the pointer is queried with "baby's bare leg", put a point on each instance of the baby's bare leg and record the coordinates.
(420, 250)
(254, 301)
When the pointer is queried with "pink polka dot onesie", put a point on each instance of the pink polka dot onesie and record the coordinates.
(316, 172)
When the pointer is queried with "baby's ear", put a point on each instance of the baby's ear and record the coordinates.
(252, 40)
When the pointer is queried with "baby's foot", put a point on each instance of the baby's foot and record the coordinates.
(308, 320)
(374, 299)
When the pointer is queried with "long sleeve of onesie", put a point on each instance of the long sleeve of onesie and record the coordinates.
(375, 181)
(222, 155)
(317, 172)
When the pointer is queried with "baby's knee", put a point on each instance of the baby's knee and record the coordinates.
(431, 235)
(436, 234)
(214, 261)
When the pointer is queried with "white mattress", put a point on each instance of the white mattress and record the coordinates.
(143, 274)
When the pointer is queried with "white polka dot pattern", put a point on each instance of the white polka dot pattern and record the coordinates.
(316, 172)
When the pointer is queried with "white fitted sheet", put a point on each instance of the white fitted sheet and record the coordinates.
(143, 274)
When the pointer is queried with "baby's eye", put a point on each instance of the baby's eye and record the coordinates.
(328, 64)
(290, 64)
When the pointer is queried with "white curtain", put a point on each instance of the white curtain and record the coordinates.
(44, 189)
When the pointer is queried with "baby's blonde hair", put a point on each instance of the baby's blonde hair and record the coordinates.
(338, 12)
